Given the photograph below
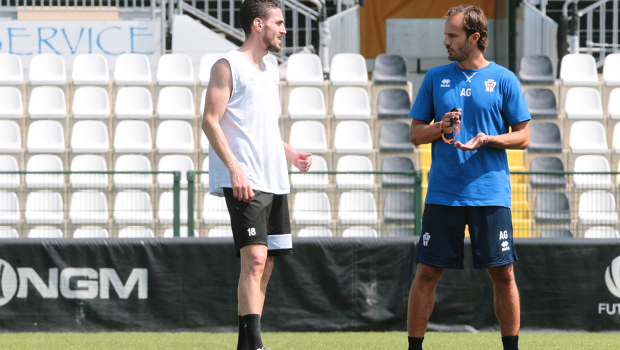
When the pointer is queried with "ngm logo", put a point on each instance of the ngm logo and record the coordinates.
(89, 284)
(612, 279)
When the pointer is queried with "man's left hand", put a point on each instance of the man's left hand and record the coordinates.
(472, 144)
(302, 161)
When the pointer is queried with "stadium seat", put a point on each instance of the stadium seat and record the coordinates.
(173, 163)
(536, 69)
(544, 137)
(304, 69)
(351, 103)
(45, 232)
(313, 231)
(311, 208)
(11, 70)
(132, 69)
(399, 208)
(541, 103)
(90, 136)
(547, 163)
(10, 137)
(349, 164)
(133, 103)
(45, 136)
(135, 232)
(613, 108)
(45, 162)
(360, 231)
(348, 69)
(88, 207)
(174, 136)
(44, 207)
(204, 143)
(352, 137)
(357, 207)
(203, 97)
(176, 102)
(132, 136)
(206, 63)
(578, 70)
(389, 69)
(588, 137)
(8, 232)
(306, 103)
(556, 232)
(583, 103)
(611, 70)
(90, 69)
(47, 102)
(183, 232)
(396, 164)
(133, 207)
(8, 163)
(47, 69)
(615, 141)
(592, 181)
(175, 69)
(91, 102)
(597, 208)
(394, 137)
(88, 162)
(165, 212)
(602, 232)
(204, 178)
(133, 162)
(552, 207)
(393, 103)
(309, 181)
(9, 208)
(308, 136)
(11, 104)
(402, 232)
(220, 232)
(91, 232)
(214, 210)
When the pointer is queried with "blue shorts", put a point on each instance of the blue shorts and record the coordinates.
(443, 232)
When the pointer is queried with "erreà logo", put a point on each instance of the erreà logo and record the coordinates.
(612, 277)
(90, 283)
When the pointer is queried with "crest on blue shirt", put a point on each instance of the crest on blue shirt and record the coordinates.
(489, 85)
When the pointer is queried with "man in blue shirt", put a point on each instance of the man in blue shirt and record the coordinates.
(474, 104)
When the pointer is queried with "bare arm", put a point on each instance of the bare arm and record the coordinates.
(301, 160)
(518, 138)
(422, 132)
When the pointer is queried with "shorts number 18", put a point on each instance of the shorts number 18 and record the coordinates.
(252, 231)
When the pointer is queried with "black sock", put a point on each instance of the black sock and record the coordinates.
(252, 331)
(242, 342)
(511, 342)
(415, 343)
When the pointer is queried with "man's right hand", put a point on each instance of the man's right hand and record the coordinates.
(447, 129)
(242, 190)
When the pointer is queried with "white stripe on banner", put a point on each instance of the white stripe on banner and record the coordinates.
(275, 242)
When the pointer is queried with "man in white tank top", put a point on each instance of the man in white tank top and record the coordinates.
(247, 162)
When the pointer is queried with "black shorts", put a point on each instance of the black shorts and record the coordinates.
(264, 220)
(443, 232)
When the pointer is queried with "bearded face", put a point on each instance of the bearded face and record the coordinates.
(459, 53)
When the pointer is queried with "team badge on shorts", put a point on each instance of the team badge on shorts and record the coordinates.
(425, 239)
(489, 85)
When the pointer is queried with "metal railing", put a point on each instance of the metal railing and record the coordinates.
(135, 6)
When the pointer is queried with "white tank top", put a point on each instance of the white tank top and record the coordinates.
(250, 124)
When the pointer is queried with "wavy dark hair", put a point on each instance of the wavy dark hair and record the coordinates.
(252, 9)
(474, 21)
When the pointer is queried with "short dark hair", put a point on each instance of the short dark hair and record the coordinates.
(252, 9)
(474, 21)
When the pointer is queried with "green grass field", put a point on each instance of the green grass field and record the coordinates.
(294, 341)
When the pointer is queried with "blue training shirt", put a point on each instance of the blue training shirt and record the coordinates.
(491, 101)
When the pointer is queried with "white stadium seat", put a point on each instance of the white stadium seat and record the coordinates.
(133, 102)
(588, 137)
(214, 210)
(306, 103)
(135, 232)
(133, 207)
(11, 70)
(304, 69)
(90, 69)
(308, 136)
(611, 70)
(220, 232)
(45, 232)
(133, 162)
(356, 181)
(47, 102)
(8, 163)
(602, 232)
(44, 207)
(203, 96)
(174, 136)
(173, 163)
(45, 162)
(88, 162)
(175, 69)
(8, 232)
(91, 102)
(90, 136)
(132, 136)
(353, 137)
(165, 213)
(10, 137)
(183, 232)
(9, 208)
(309, 181)
(175, 102)
(597, 208)
(592, 181)
(91, 232)
(613, 108)
(615, 141)
(311, 208)
(351, 103)
(88, 207)
(204, 143)
(204, 178)
(47, 69)
(578, 70)
(132, 69)
(11, 104)
(206, 63)
(583, 103)
(45, 136)
(360, 231)
(348, 69)
(357, 207)
(315, 232)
